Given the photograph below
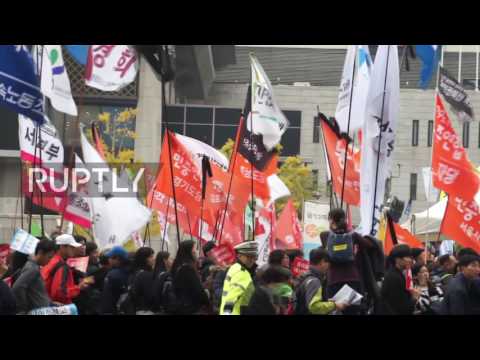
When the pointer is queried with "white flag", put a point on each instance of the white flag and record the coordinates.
(358, 56)
(114, 218)
(199, 149)
(54, 82)
(111, 67)
(268, 120)
(277, 187)
(371, 189)
(431, 193)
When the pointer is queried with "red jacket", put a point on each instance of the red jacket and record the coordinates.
(60, 286)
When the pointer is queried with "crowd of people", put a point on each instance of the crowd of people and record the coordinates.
(406, 282)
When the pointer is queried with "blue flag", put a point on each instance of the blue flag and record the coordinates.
(78, 52)
(430, 56)
(19, 85)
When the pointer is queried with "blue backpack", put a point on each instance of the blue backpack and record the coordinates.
(340, 247)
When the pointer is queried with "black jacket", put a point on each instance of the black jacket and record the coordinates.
(460, 297)
(395, 298)
(260, 303)
(116, 283)
(191, 296)
(8, 304)
(143, 291)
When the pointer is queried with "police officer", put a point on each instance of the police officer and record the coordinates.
(238, 286)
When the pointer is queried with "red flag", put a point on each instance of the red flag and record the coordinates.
(335, 147)
(289, 231)
(299, 266)
(452, 171)
(232, 233)
(401, 235)
(461, 222)
(223, 254)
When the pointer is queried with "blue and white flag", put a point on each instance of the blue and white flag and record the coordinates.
(78, 52)
(430, 56)
(19, 85)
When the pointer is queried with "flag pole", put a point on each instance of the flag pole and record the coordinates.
(380, 141)
(252, 157)
(347, 140)
(166, 223)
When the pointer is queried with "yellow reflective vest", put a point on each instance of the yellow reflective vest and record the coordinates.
(238, 288)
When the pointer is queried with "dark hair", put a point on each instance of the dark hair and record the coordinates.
(276, 274)
(293, 253)
(45, 246)
(184, 255)
(442, 260)
(103, 260)
(467, 259)
(466, 251)
(317, 255)
(80, 239)
(90, 248)
(140, 258)
(338, 217)
(416, 268)
(207, 247)
(276, 257)
(18, 260)
(160, 265)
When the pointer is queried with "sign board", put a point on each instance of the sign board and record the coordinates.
(23, 242)
(315, 221)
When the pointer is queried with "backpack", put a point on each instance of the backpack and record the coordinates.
(340, 247)
(299, 305)
(164, 294)
(126, 301)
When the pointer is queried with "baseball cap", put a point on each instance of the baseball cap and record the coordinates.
(66, 239)
(118, 251)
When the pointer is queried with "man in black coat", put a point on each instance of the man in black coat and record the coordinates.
(396, 299)
(460, 297)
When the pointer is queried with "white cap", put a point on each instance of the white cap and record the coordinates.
(66, 239)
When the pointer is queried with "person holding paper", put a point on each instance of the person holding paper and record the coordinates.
(310, 294)
(29, 289)
(58, 276)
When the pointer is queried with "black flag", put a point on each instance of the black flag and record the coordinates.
(455, 95)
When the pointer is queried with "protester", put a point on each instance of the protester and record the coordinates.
(17, 261)
(419, 256)
(162, 283)
(100, 274)
(29, 288)
(238, 287)
(446, 270)
(207, 261)
(459, 297)
(310, 296)
(7, 300)
(91, 250)
(275, 258)
(430, 295)
(116, 281)
(274, 296)
(396, 299)
(343, 247)
(191, 298)
(58, 276)
(142, 285)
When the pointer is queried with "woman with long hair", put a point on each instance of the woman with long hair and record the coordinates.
(430, 295)
(142, 286)
(190, 296)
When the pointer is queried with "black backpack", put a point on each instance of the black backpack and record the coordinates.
(340, 247)
(126, 301)
(164, 294)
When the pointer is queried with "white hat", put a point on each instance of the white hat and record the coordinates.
(247, 248)
(66, 239)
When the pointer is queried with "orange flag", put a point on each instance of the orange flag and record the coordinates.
(400, 236)
(461, 222)
(335, 146)
(288, 230)
(452, 171)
